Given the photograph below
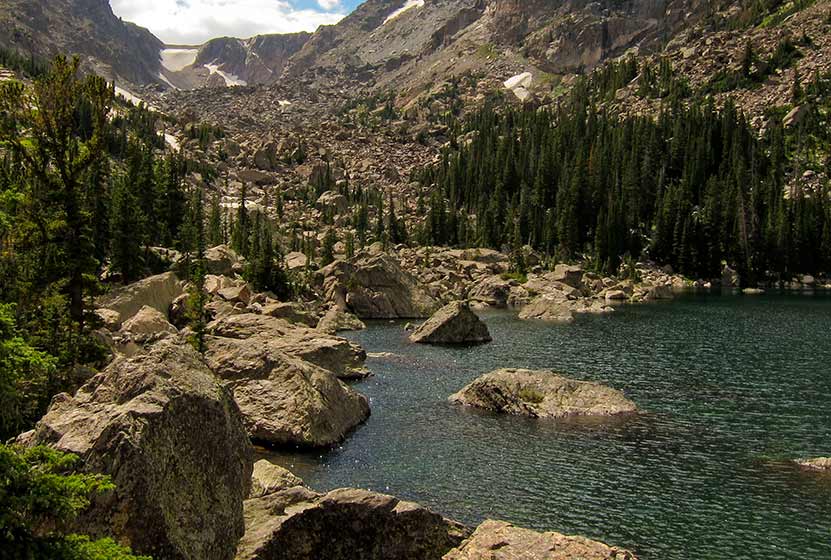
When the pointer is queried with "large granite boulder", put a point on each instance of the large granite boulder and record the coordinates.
(343, 358)
(542, 394)
(346, 524)
(376, 287)
(493, 290)
(269, 478)
(452, 324)
(557, 308)
(223, 261)
(173, 441)
(497, 540)
(157, 292)
(338, 320)
(285, 401)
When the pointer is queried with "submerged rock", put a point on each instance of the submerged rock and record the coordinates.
(173, 441)
(818, 464)
(269, 478)
(452, 324)
(542, 394)
(345, 524)
(497, 540)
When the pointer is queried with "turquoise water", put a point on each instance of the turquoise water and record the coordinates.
(732, 387)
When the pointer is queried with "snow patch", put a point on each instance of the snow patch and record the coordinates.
(176, 60)
(408, 5)
(230, 79)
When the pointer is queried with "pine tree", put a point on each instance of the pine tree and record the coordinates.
(197, 296)
(125, 243)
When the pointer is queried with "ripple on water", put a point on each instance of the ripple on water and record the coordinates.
(733, 388)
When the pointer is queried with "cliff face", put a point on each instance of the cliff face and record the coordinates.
(259, 60)
(88, 28)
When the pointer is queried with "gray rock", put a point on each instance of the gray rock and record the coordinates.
(542, 394)
(269, 478)
(376, 287)
(822, 464)
(336, 320)
(177, 496)
(345, 524)
(285, 401)
(222, 261)
(452, 324)
(157, 292)
(497, 540)
(290, 312)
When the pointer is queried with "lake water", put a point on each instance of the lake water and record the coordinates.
(732, 387)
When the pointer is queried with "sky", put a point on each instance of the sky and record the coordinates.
(193, 22)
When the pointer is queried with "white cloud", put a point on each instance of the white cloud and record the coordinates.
(192, 22)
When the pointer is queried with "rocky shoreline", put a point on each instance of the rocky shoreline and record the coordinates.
(274, 373)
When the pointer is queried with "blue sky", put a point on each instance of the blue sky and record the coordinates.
(192, 22)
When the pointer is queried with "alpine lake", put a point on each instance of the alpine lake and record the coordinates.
(733, 388)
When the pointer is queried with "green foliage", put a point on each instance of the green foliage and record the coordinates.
(24, 378)
(26, 64)
(692, 188)
(531, 395)
(41, 492)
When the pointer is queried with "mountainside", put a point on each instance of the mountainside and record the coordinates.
(107, 45)
(229, 61)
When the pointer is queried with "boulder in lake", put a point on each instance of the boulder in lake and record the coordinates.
(269, 478)
(542, 394)
(337, 320)
(497, 540)
(345, 524)
(173, 442)
(452, 324)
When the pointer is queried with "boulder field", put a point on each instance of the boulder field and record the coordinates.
(542, 394)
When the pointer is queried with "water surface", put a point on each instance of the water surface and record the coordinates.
(733, 387)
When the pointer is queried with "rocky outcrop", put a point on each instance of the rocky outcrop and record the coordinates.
(558, 308)
(285, 400)
(223, 261)
(290, 312)
(157, 292)
(269, 478)
(454, 323)
(335, 354)
(497, 540)
(542, 394)
(376, 287)
(822, 464)
(337, 320)
(345, 524)
(177, 496)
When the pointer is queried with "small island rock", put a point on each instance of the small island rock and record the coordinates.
(542, 394)
(497, 540)
(822, 464)
(452, 324)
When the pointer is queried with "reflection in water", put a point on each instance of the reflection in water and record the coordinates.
(732, 388)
